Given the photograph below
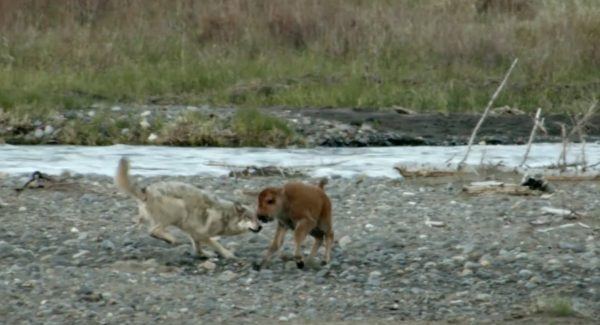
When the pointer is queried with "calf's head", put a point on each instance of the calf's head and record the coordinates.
(270, 204)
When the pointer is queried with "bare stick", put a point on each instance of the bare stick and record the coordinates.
(594, 165)
(482, 158)
(485, 113)
(567, 225)
(582, 140)
(562, 158)
(579, 128)
(537, 124)
(584, 119)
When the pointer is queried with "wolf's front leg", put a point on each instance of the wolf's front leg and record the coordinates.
(224, 252)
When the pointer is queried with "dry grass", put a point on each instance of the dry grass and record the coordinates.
(255, 128)
(556, 306)
(247, 127)
(430, 54)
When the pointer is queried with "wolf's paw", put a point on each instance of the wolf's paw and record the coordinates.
(228, 255)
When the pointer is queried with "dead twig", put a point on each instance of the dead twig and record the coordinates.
(579, 129)
(583, 159)
(567, 225)
(562, 157)
(485, 113)
(573, 178)
(594, 165)
(483, 152)
(538, 124)
(583, 121)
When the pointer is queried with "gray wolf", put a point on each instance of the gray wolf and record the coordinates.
(197, 213)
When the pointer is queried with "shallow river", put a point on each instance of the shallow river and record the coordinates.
(345, 162)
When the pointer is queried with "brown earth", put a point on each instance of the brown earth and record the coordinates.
(455, 128)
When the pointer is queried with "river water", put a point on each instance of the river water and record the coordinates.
(344, 162)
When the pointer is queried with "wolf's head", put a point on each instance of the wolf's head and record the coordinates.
(246, 218)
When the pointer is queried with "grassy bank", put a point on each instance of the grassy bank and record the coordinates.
(442, 55)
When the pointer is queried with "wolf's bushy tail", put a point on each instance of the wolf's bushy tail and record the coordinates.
(124, 183)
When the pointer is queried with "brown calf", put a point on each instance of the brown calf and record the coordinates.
(305, 209)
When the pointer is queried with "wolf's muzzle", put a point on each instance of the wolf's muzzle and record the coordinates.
(257, 229)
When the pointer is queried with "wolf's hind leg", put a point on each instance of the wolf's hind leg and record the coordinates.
(159, 232)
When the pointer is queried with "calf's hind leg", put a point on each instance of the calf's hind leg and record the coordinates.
(328, 244)
(302, 229)
(315, 248)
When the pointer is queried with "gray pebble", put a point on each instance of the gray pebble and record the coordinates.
(374, 278)
(107, 245)
(227, 276)
(6, 249)
(290, 265)
(577, 248)
(471, 265)
(525, 274)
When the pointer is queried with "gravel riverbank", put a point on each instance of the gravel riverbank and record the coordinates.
(71, 253)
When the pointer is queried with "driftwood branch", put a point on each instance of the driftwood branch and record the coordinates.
(230, 166)
(486, 112)
(493, 187)
(425, 172)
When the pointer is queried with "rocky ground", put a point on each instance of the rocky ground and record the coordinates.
(71, 253)
(333, 127)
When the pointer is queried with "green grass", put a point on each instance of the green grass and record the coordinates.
(298, 80)
(431, 55)
(193, 129)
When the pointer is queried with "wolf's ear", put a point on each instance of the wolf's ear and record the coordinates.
(239, 208)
